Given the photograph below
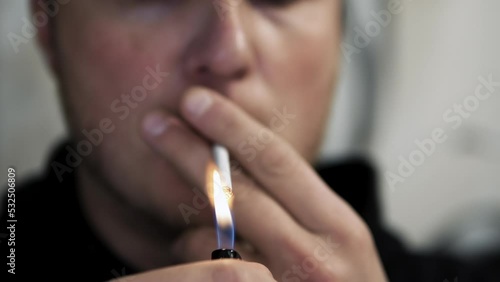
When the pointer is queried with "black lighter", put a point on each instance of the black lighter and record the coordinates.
(225, 254)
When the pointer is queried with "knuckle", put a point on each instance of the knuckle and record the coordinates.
(328, 273)
(305, 264)
(225, 271)
(296, 252)
(360, 238)
(333, 269)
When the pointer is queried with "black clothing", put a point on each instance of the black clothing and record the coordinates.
(53, 239)
(54, 242)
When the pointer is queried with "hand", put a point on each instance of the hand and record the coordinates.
(292, 221)
(209, 271)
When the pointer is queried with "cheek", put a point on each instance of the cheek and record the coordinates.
(105, 60)
(314, 65)
(301, 54)
(306, 76)
(100, 64)
(313, 73)
(90, 75)
(313, 68)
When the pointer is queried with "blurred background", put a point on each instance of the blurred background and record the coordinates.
(397, 82)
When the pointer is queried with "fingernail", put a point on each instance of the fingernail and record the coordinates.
(155, 124)
(198, 103)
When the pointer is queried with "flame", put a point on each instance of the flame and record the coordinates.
(221, 198)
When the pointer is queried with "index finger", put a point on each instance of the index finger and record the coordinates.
(278, 167)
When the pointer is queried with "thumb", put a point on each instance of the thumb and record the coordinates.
(208, 271)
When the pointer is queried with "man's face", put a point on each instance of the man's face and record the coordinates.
(265, 56)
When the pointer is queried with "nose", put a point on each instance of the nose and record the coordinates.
(220, 50)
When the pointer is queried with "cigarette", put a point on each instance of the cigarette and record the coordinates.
(221, 157)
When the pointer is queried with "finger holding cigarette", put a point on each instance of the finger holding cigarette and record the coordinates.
(288, 209)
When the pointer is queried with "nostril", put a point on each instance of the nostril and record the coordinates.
(240, 73)
(203, 70)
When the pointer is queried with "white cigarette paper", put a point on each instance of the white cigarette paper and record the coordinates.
(221, 157)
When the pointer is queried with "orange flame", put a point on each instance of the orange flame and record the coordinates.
(221, 198)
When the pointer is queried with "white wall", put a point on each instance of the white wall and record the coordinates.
(441, 48)
(30, 119)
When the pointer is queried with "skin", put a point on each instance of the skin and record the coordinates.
(225, 78)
